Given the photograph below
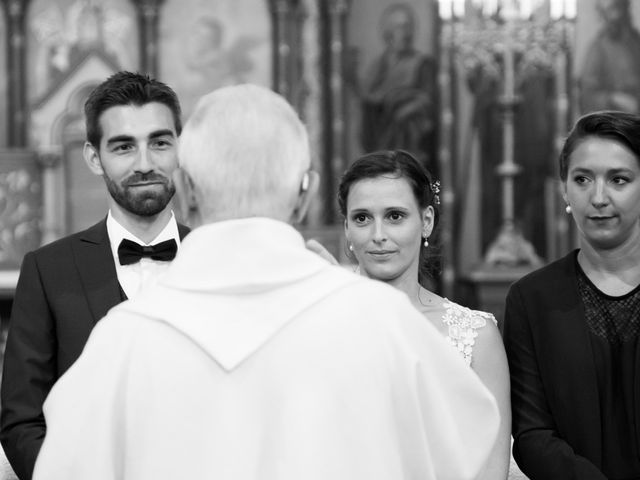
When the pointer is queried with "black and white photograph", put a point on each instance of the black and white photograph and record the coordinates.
(320, 239)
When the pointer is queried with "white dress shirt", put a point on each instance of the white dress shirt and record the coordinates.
(136, 276)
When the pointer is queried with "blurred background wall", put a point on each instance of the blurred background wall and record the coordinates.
(484, 94)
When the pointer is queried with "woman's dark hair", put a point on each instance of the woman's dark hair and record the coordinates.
(396, 164)
(127, 88)
(619, 126)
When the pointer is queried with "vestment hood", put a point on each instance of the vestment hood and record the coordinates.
(238, 282)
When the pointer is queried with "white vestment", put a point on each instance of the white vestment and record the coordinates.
(253, 358)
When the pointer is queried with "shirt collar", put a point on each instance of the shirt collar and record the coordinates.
(117, 233)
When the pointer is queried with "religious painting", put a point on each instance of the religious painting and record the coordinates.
(607, 66)
(62, 33)
(391, 77)
(3, 82)
(205, 45)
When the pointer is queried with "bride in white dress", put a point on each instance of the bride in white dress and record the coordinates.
(389, 204)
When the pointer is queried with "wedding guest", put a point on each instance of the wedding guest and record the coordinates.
(390, 207)
(133, 123)
(253, 358)
(572, 327)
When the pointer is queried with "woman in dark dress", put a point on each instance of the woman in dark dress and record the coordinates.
(572, 328)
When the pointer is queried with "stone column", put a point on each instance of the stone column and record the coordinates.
(336, 14)
(52, 227)
(16, 14)
(281, 13)
(446, 158)
(148, 13)
(310, 98)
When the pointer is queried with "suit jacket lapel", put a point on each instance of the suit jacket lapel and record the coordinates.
(97, 270)
(576, 370)
(182, 231)
(96, 266)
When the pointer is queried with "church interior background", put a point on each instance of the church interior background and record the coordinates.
(483, 93)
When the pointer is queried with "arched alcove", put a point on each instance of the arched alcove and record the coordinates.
(61, 32)
(86, 199)
(73, 197)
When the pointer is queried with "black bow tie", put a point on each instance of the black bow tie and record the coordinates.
(130, 252)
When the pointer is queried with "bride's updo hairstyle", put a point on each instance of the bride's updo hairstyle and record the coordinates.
(397, 164)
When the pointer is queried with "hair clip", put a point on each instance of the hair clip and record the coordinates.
(435, 189)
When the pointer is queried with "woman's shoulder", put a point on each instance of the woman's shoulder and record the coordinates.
(456, 314)
(463, 326)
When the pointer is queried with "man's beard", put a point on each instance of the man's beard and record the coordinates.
(138, 200)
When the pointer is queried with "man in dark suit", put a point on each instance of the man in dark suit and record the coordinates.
(133, 123)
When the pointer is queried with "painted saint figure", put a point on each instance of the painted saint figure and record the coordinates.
(397, 92)
(610, 77)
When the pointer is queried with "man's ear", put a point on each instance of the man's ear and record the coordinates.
(92, 159)
(308, 189)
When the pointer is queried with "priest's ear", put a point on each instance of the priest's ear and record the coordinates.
(185, 200)
(308, 189)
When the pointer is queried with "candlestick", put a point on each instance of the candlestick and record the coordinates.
(500, 40)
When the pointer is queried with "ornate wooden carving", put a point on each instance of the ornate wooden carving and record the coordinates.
(20, 204)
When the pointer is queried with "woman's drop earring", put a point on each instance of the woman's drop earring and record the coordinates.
(567, 209)
(426, 241)
(350, 248)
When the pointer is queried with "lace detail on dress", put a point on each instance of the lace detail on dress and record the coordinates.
(463, 324)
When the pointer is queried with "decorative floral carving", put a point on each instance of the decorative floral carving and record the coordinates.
(19, 215)
(480, 43)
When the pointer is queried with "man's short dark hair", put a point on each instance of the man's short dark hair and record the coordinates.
(127, 88)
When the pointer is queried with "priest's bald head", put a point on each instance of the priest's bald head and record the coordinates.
(247, 154)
